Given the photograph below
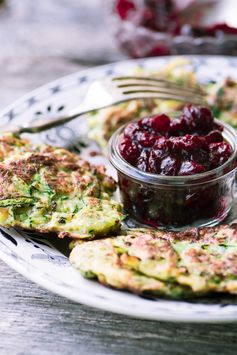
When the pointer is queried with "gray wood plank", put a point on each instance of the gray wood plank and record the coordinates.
(34, 321)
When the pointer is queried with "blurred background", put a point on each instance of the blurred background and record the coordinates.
(44, 39)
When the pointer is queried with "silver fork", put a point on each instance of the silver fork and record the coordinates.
(111, 91)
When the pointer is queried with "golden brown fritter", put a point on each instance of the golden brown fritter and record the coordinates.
(49, 189)
(185, 264)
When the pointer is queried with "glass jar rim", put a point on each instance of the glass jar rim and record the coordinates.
(120, 164)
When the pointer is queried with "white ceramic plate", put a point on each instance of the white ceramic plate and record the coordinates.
(42, 260)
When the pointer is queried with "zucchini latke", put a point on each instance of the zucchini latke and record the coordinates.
(49, 189)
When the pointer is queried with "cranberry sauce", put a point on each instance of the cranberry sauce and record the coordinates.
(165, 16)
(147, 17)
(188, 145)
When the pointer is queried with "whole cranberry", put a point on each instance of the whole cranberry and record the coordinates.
(160, 147)
(123, 7)
(219, 153)
(176, 144)
(194, 142)
(214, 137)
(191, 168)
(152, 164)
(169, 166)
(154, 161)
(160, 143)
(187, 143)
(129, 150)
(159, 123)
(197, 119)
(146, 139)
(143, 161)
(131, 129)
(176, 127)
(206, 119)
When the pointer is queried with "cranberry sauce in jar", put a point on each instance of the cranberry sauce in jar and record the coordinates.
(175, 173)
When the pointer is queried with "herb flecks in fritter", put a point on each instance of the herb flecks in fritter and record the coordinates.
(185, 264)
(222, 97)
(49, 189)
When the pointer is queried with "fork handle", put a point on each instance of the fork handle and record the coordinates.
(43, 123)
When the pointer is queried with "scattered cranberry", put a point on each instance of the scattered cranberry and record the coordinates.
(190, 144)
(165, 16)
(220, 28)
(123, 7)
(160, 49)
(129, 150)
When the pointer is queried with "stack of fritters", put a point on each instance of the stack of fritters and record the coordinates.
(49, 189)
(178, 265)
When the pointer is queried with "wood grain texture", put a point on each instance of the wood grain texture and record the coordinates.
(43, 40)
(34, 321)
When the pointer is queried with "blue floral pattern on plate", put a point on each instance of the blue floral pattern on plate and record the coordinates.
(44, 259)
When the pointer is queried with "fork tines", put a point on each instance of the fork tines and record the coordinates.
(159, 88)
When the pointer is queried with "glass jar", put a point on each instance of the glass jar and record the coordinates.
(174, 202)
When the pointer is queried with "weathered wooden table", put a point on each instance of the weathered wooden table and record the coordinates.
(40, 41)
